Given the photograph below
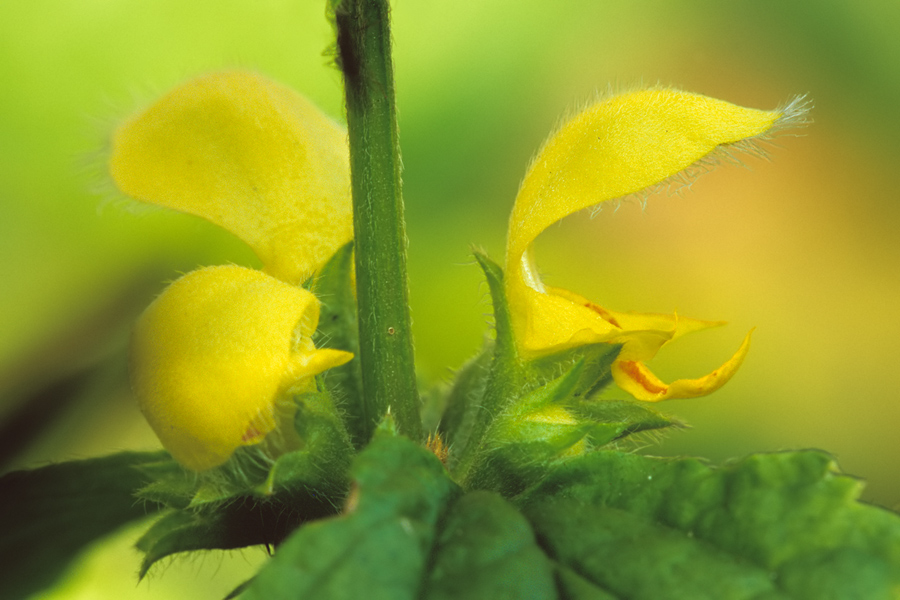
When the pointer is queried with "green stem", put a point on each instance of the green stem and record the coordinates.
(386, 349)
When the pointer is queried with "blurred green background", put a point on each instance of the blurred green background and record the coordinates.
(803, 247)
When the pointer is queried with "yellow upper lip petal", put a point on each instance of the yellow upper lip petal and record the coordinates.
(621, 146)
(249, 155)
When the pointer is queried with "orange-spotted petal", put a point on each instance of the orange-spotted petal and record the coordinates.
(634, 377)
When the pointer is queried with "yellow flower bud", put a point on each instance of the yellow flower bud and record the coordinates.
(215, 354)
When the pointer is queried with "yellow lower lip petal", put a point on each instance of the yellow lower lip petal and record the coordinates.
(635, 378)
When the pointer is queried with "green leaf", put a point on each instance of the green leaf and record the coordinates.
(48, 515)
(381, 544)
(486, 549)
(636, 559)
(246, 521)
(338, 329)
(767, 527)
(573, 586)
(237, 591)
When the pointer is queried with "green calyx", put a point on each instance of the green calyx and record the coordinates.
(512, 418)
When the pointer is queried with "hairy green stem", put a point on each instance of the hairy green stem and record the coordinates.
(386, 349)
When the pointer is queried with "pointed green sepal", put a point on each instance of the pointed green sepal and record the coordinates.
(503, 331)
(387, 427)
(321, 465)
(502, 386)
(616, 419)
(595, 375)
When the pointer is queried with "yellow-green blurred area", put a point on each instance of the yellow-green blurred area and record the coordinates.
(803, 247)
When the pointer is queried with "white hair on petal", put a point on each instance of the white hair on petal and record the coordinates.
(794, 114)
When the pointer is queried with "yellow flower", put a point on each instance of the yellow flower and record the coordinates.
(214, 354)
(626, 144)
(215, 357)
